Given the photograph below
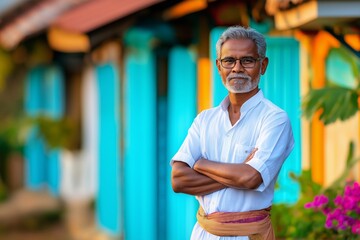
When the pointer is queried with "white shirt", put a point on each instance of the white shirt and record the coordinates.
(262, 125)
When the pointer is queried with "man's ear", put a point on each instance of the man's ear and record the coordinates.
(218, 65)
(264, 64)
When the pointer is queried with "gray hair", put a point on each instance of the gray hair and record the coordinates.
(239, 32)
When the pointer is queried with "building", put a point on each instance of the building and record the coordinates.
(131, 76)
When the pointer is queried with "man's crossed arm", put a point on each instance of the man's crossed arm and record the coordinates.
(209, 176)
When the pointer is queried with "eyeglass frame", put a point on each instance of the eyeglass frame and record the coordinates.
(240, 60)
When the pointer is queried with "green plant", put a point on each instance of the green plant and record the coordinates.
(11, 142)
(292, 221)
(338, 100)
(296, 222)
(57, 133)
(12, 136)
(334, 102)
(3, 192)
(15, 131)
(342, 213)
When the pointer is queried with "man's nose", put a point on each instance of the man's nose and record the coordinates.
(238, 67)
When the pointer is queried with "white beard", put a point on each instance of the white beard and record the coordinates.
(242, 84)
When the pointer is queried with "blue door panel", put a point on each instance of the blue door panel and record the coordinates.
(140, 169)
(108, 207)
(34, 150)
(181, 209)
(281, 84)
(218, 89)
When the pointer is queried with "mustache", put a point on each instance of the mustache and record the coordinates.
(238, 75)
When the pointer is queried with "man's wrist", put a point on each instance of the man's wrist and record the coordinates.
(197, 164)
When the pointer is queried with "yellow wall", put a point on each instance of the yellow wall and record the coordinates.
(325, 146)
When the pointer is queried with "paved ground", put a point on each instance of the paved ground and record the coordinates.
(39, 216)
(55, 231)
(32, 216)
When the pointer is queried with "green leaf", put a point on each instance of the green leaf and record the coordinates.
(57, 133)
(335, 102)
(350, 154)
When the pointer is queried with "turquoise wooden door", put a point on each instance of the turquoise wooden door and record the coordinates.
(280, 84)
(109, 204)
(34, 150)
(140, 169)
(44, 95)
(218, 89)
(181, 209)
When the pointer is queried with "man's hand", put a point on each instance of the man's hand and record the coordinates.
(251, 155)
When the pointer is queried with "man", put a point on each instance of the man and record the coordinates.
(233, 153)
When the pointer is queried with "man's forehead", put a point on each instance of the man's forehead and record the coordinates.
(239, 45)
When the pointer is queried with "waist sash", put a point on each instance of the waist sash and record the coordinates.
(255, 224)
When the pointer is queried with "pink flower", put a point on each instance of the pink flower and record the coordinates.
(355, 229)
(319, 202)
(345, 216)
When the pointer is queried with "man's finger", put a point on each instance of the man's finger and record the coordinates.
(251, 155)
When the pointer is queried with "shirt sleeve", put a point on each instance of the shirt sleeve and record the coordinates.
(274, 145)
(190, 150)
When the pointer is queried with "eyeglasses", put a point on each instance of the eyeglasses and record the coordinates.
(245, 62)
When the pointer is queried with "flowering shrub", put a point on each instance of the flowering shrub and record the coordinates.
(343, 214)
(321, 219)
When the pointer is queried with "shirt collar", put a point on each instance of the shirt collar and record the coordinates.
(250, 103)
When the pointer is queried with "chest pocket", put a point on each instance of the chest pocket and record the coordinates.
(242, 152)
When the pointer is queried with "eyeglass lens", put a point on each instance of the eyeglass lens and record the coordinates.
(246, 62)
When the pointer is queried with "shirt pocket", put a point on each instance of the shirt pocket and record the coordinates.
(242, 152)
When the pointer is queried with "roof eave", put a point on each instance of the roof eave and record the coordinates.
(317, 14)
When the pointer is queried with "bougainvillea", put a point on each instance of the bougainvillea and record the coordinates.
(343, 214)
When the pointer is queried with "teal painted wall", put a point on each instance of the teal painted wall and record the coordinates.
(34, 150)
(162, 169)
(182, 110)
(44, 95)
(218, 89)
(108, 203)
(281, 84)
(342, 68)
(140, 169)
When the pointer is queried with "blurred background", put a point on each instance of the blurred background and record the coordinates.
(96, 96)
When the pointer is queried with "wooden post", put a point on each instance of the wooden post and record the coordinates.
(322, 43)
